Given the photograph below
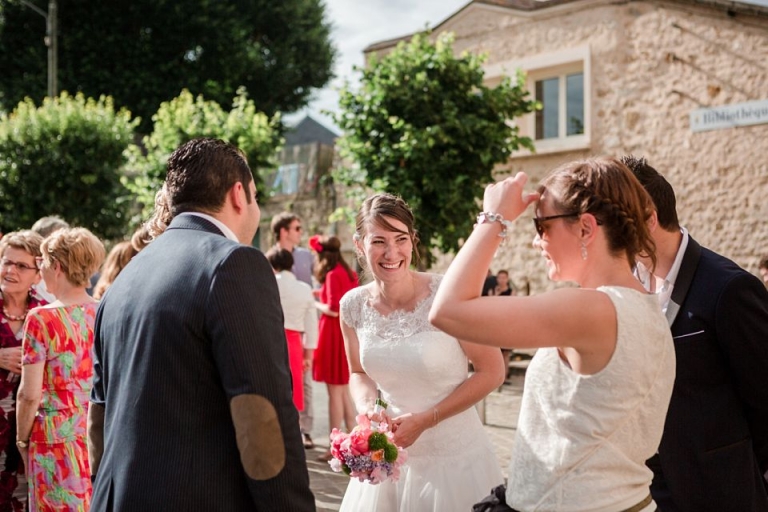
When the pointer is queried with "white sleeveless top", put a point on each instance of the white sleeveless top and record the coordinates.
(583, 440)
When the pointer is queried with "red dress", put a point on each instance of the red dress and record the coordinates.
(330, 360)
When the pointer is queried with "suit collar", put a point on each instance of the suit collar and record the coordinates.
(684, 279)
(186, 221)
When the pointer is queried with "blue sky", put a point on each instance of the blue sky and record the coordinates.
(357, 24)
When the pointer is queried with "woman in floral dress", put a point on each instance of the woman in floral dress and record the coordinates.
(56, 376)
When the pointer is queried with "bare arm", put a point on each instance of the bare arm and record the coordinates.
(28, 399)
(579, 317)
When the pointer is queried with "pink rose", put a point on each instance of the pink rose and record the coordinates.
(358, 441)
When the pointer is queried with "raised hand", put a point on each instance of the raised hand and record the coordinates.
(508, 198)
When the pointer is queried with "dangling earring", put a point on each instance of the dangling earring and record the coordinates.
(584, 251)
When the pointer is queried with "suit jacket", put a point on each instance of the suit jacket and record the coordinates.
(714, 450)
(192, 322)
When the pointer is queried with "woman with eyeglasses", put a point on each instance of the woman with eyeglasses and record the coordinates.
(57, 373)
(18, 275)
(597, 390)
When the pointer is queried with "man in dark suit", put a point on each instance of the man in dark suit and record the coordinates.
(714, 451)
(192, 389)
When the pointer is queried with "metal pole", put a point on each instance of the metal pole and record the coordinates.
(53, 49)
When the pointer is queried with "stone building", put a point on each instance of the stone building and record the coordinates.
(682, 82)
(301, 184)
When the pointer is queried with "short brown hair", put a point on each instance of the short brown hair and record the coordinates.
(77, 250)
(26, 240)
(282, 221)
(763, 263)
(201, 172)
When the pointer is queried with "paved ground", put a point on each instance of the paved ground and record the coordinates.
(501, 410)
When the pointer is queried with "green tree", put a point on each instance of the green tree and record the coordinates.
(187, 117)
(64, 158)
(144, 52)
(424, 126)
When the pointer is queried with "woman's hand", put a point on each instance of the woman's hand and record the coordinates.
(408, 427)
(10, 359)
(380, 417)
(508, 198)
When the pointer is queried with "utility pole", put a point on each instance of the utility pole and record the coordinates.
(51, 41)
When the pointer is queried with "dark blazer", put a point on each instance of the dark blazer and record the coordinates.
(714, 450)
(191, 323)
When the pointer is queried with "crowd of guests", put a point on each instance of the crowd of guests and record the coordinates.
(49, 307)
(181, 380)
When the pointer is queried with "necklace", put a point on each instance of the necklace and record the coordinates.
(15, 318)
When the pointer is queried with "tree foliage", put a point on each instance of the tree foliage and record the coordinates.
(187, 117)
(144, 52)
(64, 158)
(424, 126)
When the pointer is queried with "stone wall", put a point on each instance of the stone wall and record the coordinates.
(652, 63)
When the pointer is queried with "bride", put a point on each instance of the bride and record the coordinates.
(420, 372)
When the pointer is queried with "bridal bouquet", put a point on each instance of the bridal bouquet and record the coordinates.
(367, 453)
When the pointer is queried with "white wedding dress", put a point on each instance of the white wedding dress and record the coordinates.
(451, 466)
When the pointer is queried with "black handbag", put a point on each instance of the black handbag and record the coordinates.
(495, 502)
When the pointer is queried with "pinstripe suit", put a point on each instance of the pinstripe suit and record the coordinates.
(190, 327)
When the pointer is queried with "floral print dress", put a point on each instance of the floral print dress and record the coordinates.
(59, 474)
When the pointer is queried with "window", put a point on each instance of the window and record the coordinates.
(562, 113)
(560, 81)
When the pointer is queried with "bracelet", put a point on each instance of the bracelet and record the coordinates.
(435, 416)
(489, 217)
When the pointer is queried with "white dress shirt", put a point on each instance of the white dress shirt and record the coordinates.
(298, 307)
(664, 292)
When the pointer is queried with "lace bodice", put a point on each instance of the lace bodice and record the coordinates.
(413, 364)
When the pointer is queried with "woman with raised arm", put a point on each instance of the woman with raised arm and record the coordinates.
(421, 372)
(597, 390)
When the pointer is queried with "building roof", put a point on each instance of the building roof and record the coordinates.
(732, 7)
(309, 131)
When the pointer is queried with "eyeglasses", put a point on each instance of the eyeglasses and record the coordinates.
(21, 267)
(538, 220)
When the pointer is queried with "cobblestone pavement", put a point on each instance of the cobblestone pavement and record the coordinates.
(501, 409)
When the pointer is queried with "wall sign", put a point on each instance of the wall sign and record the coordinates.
(729, 116)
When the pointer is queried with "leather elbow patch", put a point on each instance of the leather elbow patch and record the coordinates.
(259, 437)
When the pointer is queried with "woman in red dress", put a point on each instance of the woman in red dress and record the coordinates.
(330, 360)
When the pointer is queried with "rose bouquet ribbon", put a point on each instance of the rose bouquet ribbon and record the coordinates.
(368, 453)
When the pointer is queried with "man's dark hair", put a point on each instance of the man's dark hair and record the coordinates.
(661, 192)
(280, 259)
(282, 221)
(201, 171)
(763, 263)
